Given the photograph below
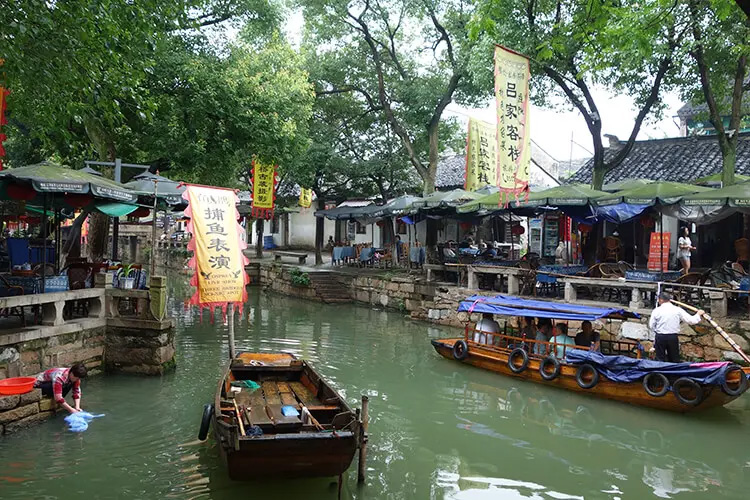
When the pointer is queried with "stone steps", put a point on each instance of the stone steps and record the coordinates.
(329, 288)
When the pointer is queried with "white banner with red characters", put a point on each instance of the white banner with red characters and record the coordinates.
(217, 243)
(513, 134)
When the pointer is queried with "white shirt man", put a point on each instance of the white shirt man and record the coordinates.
(488, 325)
(665, 324)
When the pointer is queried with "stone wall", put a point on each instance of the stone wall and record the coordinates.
(278, 279)
(22, 411)
(140, 346)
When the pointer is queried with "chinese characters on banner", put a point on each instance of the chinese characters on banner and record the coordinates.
(264, 190)
(305, 197)
(512, 100)
(658, 252)
(217, 244)
(481, 155)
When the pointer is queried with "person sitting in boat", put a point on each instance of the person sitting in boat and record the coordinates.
(562, 340)
(665, 324)
(588, 337)
(543, 334)
(486, 324)
(57, 382)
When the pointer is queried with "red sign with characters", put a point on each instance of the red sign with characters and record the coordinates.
(658, 252)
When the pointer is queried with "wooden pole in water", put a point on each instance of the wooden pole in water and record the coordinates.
(719, 329)
(362, 465)
(230, 316)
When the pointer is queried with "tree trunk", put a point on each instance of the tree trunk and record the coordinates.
(319, 228)
(728, 161)
(259, 224)
(99, 222)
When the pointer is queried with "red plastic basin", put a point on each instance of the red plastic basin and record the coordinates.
(16, 385)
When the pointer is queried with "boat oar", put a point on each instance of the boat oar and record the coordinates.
(719, 329)
(239, 417)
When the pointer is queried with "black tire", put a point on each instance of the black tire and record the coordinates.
(524, 360)
(581, 374)
(742, 387)
(460, 350)
(556, 367)
(663, 384)
(683, 382)
(208, 415)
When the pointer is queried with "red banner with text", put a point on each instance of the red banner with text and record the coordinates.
(658, 252)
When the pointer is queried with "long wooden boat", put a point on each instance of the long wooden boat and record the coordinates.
(662, 387)
(274, 416)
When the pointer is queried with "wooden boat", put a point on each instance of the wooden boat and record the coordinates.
(511, 355)
(259, 436)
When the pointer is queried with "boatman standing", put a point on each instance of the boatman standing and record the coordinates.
(665, 324)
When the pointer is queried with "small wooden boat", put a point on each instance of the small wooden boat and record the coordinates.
(274, 416)
(668, 386)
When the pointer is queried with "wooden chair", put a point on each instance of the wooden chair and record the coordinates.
(612, 249)
(742, 248)
(691, 294)
(49, 269)
(9, 290)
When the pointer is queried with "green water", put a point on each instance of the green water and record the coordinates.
(438, 429)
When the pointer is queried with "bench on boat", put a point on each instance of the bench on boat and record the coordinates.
(300, 256)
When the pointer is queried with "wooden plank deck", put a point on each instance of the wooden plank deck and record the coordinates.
(271, 393)
(304, 394)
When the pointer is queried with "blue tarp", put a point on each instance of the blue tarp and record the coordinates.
(624, 369)
(516, 306)
(622, 212)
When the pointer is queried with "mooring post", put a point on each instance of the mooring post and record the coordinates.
(230, 318)
(362, 466)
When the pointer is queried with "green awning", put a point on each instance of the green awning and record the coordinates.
(624, 184)
(655, 193)
(446, 198)
(716, 179)
(737, 195)
(566, 195)
(114, 209)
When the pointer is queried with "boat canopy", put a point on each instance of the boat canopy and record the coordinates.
(516, 306)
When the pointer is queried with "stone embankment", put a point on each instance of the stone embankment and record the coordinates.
(22, 411)
(437, 303)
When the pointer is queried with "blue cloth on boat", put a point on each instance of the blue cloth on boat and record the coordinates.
(79, 421)
(254, 431)
(289, 411)
(624, 369)
(507, 305)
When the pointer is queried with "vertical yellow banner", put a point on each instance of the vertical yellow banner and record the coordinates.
(481, 155)
(512, 100)
(264, 189)
(305, 197)
(217, 246)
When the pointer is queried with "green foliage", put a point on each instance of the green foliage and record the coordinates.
(402, 62)
(299, 277)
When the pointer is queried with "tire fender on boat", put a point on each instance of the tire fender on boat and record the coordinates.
(556, 367)
(687, 382)
(581, 373)
(460, 350)
(663, 384)
(208, 414)
(524, 360)
(742, 387)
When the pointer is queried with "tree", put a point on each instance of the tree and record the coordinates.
(75, 66)
(720, 48)
(626, 47)
(406, 60)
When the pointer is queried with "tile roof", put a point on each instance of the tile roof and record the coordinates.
(680, 159)
(450, 172)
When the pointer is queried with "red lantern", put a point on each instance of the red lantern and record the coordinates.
(518, 230)
(465, 225)
(647, 221)
(21, 192)
(29, 220)
(140, 212)
(78, 200)
(584, 228)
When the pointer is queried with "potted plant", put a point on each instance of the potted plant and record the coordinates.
(125, 281)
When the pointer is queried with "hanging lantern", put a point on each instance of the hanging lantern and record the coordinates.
(517, 230)
(465, 225)
(647, 221)
(29, 219)
(584, 228)
(21, 192)
(78, 200)
(380, 223)
(140, 212)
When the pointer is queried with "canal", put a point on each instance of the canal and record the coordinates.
(438, 429)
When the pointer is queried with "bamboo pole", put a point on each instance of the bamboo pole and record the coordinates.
(230, 317)
(239, 417)
(719, 329)
(362, 464)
